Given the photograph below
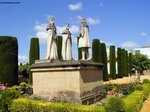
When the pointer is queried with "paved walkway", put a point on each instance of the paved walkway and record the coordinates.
(146, 106)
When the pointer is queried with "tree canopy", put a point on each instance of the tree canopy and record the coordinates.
(140, 62)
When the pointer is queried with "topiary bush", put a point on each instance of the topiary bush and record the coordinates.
(138, 87)
(112, 60)
(27, 105)
(146, 81)
(34, 54)
(8, 60)
(6, 99)
(114, 105)
(59, 45)
(104, 61)
(96, 51)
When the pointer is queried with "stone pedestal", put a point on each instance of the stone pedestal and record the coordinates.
(78, 80)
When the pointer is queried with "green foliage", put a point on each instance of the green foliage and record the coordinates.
(134, 101)
(33, 54)
(119, 57)
(146, 81)
(114, 105)
(96, 51)
(104, 61)
(138, 87)
(123, 54)
(59, 46)
(112, 58)
(27, 105)
(24, 70)
(130, 63)
(127, 64)
(79, 50)
(140, 62)
(6, 98)
(8, 60)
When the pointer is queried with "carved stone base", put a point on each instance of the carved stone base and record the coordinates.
(80, 81)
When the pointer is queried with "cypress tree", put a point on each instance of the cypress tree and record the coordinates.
(33, 54)
(59, 46)
(123, 62)
(96, 51)
(79, 50)
(8, 60)
(104, 61)
(112, 58)
(119, 63)
(130, 64)
(127, 64)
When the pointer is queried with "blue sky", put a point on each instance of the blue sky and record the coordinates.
(123, 23)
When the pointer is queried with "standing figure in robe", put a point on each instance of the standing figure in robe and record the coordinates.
(84, 40)
(66, 44)
(51, 40)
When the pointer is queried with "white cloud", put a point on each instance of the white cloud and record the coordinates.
(129, 44)
(93, 21)
(74, 29)
(77, 6)
(143, 34)
(79, 17)
(22, 58)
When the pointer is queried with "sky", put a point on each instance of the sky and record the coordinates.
(123, 23)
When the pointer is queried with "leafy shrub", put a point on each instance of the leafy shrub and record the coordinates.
(146, 81)
(114, 105)
(27, 105)
(138, 87)
(6, 98)
(134, 101)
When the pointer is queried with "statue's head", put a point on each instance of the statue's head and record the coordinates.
(83, 20)
(67, 26)
(51, 20)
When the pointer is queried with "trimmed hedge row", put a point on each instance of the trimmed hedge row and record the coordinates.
(27, 105)
(131, 103)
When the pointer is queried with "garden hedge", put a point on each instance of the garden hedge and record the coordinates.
(8, 60)
(34, 54)
(27, 105)
(96, 51)
(59, 45)
(104, 61)
(112, 60)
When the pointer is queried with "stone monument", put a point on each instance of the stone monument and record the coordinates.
(51, 40)
(66, 44)
(84, 41)
(80, 81)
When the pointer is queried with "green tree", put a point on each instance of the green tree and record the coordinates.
(130, 63)
(96, 51)
(112, 60)
(119, 61)
(127, 64)
(140, 62)
(8, 60)
(104, 61)
(79, 50)
(123, 61)
(34, 54)
(59, 48)
(24, 70)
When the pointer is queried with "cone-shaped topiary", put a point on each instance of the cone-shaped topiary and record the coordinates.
(112, 59)
(130, 64)
(96, 51)
(104, 61)
(33, 54)
(59, 46)
(8, 60)
(127, 64)
(79, 50)
(119, 56)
